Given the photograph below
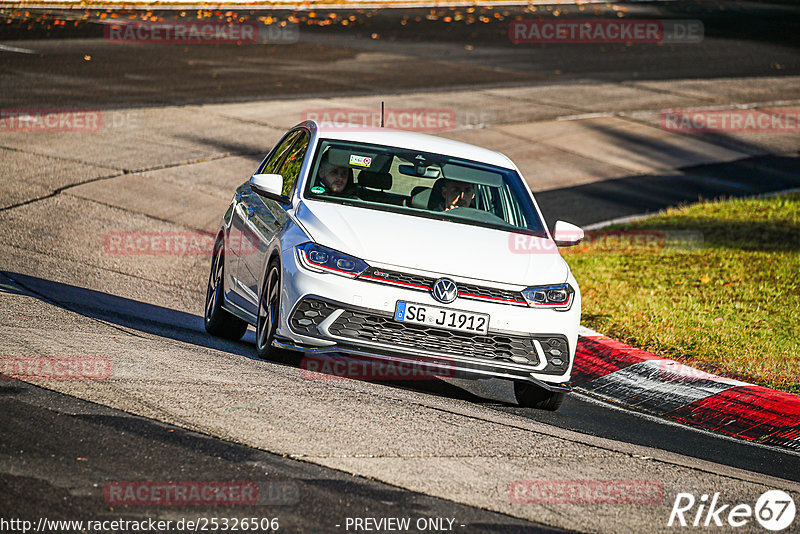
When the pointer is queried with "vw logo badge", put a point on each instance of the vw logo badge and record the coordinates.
(444, 290)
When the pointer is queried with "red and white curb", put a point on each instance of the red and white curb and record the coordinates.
(637, 379)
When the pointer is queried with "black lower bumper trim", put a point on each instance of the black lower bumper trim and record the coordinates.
(446, 366)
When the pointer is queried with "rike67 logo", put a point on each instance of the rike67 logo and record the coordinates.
(774, 510)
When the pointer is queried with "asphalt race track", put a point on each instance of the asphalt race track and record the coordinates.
(741, 39)
(183, 406)
(134, 448)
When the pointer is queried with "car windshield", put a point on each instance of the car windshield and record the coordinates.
(422, 184)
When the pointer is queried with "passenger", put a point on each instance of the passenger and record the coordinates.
(338, 181)
(456, 194)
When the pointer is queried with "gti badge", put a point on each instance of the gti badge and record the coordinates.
(445, 290)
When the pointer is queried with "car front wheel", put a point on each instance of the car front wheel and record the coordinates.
(531, 396)
(268, 309)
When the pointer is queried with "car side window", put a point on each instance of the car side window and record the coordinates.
(290, 169)
(270, 165)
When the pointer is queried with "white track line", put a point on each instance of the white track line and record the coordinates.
(6, 48)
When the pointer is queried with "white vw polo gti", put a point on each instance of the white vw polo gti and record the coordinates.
(400, 247)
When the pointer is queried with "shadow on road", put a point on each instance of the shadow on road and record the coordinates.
(124, 312)
(634, 195)
(173, 324)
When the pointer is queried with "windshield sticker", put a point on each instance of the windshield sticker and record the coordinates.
(318, 189)
(361, 161)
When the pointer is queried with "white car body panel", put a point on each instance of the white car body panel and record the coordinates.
(448, 248)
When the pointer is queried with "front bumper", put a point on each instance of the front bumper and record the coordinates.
(541, 359)
(367, 328)
(449, 367)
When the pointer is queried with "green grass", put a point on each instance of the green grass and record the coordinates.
(730, 307)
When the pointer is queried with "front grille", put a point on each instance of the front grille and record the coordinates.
(491, 292)
(402, 278)
(425, 283)
(359, 325)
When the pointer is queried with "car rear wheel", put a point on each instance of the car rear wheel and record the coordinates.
(218, 321)
(531, 396)
(268, 309)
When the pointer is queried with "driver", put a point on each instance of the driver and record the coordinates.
(457, 194)
(337, 180)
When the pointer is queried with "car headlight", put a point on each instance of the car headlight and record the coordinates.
(323, 259)
(556, 297)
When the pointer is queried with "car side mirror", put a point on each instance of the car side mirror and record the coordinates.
(269, 186)
(566, 234)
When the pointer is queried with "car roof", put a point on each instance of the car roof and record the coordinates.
(409, 140)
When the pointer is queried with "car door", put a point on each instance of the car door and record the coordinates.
(234, 287)
(264, 218)
(243, 243)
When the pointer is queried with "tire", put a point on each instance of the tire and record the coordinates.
(220, 322)
(531, 396)
(269, 301)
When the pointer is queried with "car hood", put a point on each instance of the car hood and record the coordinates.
(443, 247)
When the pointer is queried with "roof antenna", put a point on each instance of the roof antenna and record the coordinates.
(381, 113)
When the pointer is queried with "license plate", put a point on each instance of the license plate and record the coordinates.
(460, 321)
